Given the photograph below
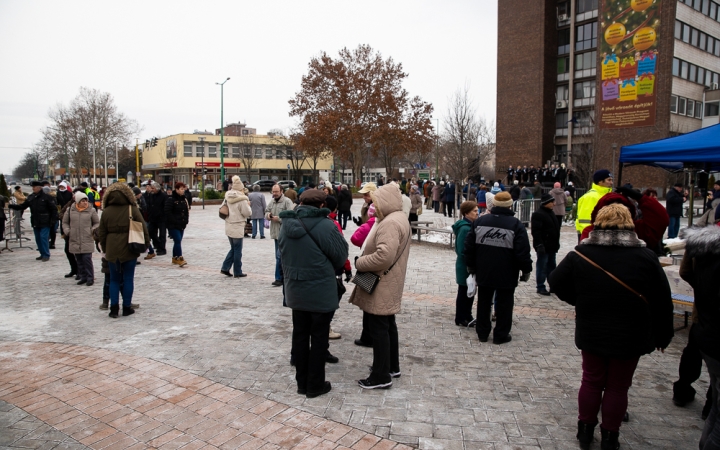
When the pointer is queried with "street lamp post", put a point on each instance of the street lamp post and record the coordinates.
(222, 132)
(202, 169)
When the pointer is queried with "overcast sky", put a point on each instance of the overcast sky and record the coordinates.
(160, 59)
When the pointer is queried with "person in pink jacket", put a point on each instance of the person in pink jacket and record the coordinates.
(359, 236)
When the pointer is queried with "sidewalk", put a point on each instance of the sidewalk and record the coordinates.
(225, 344)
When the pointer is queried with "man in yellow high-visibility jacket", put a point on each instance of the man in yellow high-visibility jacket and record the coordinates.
(602, 185)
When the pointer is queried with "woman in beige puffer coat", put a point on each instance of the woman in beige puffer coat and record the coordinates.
(387, 243)
(239, 211)
(78, 224)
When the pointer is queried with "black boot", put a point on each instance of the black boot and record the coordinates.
(114, 311)
(609, 439)
(585, 434)
(128, 311)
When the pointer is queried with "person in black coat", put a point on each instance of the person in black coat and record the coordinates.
(155, 200)
(177, 216)
(674, 200)
(545, 228)
(614, 325)
(43, 215)
(501, 240)
(700, 267)
(345, 202)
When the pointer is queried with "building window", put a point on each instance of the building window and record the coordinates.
(585, 64)
(713, 10)
(676, 67)
(235, 151)
(682, 106)
(563, 41)
(584, 93)
(187, 149)
(199, 149)
(706, 7)
(698, 110)
(268, 153)
(258, 153)
(673, 104)
(561, 124)
(584, 122)
(712, 109)
(684, 69)
(247, 151)
(562, 92)
(586, 5)
(690, 108)
(212, 151)
(586, 36)
(693, 73)
(225, 151)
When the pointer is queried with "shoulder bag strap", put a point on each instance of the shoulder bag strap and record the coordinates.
(407, 241)
(613, 277)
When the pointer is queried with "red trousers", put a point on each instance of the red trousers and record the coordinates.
(605, 383)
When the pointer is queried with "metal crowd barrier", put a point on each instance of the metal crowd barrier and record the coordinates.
(523, 209)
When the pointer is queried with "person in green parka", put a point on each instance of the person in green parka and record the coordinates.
(463, 302)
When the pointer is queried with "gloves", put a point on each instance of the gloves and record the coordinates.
(348, 275)
(540, 249)
(525, 276)
(357, 221)
(629, 193)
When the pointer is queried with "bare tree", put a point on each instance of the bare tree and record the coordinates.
(287, 142)
(91, 123)
(247, 154)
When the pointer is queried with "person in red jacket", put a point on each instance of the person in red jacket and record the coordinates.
(650, 223)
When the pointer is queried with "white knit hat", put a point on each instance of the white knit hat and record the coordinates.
(80, 196)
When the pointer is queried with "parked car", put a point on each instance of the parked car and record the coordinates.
(287, 184)
(265, 185)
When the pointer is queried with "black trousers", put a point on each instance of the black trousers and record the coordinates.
(158, 235)
(690, 368)
(344, 217)
(450, 206)
(386, 355)
(504, 303)
(463, 305)
(310, 348)
(85, 266)
(70, 257)
(412, 217)
(365, 335)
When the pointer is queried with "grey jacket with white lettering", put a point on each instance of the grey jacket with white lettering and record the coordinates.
(497, 249)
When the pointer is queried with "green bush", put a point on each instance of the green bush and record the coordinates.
(211, 194)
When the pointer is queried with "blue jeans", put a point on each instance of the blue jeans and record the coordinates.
(176, 236)
(543, 267)
(278, 265)
(122, 274)
(234, 257)
(258, 225)
(42, 239)
(673, 227)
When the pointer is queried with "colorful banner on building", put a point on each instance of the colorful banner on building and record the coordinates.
(628, 57)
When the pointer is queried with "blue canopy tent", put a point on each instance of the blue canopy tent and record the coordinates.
(692, 152)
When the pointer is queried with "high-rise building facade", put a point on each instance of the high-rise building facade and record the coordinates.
(578, 79)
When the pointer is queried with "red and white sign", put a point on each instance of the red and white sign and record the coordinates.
(217, 164)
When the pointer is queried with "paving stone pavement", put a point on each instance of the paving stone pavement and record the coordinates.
(454, 391)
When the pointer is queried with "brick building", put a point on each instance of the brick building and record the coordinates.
(578, 79)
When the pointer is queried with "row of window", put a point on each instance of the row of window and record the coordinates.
(581, 7)
(696, 74)
(697, 38)
(583, 122)
(685, 107)
(247, 151)
(707, 7)
(585, 38)
(585, 65)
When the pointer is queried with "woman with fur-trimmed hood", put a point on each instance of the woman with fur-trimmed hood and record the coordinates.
(386, 244)
(239, 211)
(118, 205)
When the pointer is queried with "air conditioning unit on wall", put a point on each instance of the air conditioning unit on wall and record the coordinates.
(714, 86)
(562, 17)
(561, 104)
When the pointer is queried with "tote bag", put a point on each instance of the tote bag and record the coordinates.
(136, 237)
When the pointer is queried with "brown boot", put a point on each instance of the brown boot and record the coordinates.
(175, 260)
(104, 304)
(181, 261)
(149, 256)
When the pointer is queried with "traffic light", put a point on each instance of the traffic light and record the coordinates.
(147, 144)
(153, 142)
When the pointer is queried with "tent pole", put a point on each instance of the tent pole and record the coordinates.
(619, 175)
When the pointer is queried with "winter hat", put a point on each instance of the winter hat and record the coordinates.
(496, 184)
(330, 203)
(237, 184)
(546, 198)
(136, 190)
(63, 184)
(614, 216)
(489, 200)
(371, 210)
(369, 187)
(442, 183)
(600, 175)
(556, 185)
(313, 196)
(502, 200)
(567, 193)
(84, 184)
(570, 183)
(515, 182)
(80, 196)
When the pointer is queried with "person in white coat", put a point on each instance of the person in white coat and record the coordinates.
(238, 212)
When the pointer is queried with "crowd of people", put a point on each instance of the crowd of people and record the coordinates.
(612, 278)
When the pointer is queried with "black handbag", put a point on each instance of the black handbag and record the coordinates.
(368, 281)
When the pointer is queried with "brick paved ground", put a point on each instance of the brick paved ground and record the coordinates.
(197, 331)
